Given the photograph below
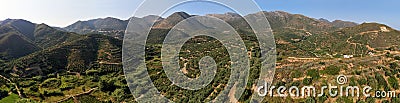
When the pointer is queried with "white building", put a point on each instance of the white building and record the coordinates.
(348, 56)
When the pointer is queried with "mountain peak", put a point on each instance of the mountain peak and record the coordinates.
(324, 20)
(342, 24)
(233, 14)
(228, 14)
(280, 14)
(369, 28)
(183, 15)
(152, 18)
(11, 21)
(100, 24)
(172, 20)
(109, 18)
(375, 26)
(42, 25)
(23, 26)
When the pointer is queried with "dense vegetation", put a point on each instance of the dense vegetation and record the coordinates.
(60, 66)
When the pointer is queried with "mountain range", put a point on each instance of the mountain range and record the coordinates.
(52, 64)
(295, 35)
(20, 37)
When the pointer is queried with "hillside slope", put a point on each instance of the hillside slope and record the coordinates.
(28, 37)
(14, 45)
(88, 52)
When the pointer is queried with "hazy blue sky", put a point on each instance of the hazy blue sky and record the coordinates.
(64, 12)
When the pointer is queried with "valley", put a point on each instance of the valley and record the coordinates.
(83, 61)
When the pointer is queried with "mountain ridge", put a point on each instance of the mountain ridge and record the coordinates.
(54, 63)
(288, 28)
(28, 35)
(168, 22)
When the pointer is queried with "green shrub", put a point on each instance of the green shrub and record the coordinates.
(295, 83)
(3, 93)
(25, 100)
(370, 100)
(381, 81)
(397, 57)
(322, 99)
(381, 67)
(360, 101)
(313, 73)
(12, 98)
(393, 82)
(296, 74)
(54, 92)
(119, 95)
(388, 54)
(362, 81)
(372, 82)
(51, 83)
(322, 63)
(310, 100)
(37, 78)
(388, 73)
(394, 65)
(33, 91)
(89, 99)
(280, 83)
(307, 81)
(106, 85)
(338, 56)
(395, 100)
(331, 70)
(92, 72)
(344, 100)
(27, 83)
